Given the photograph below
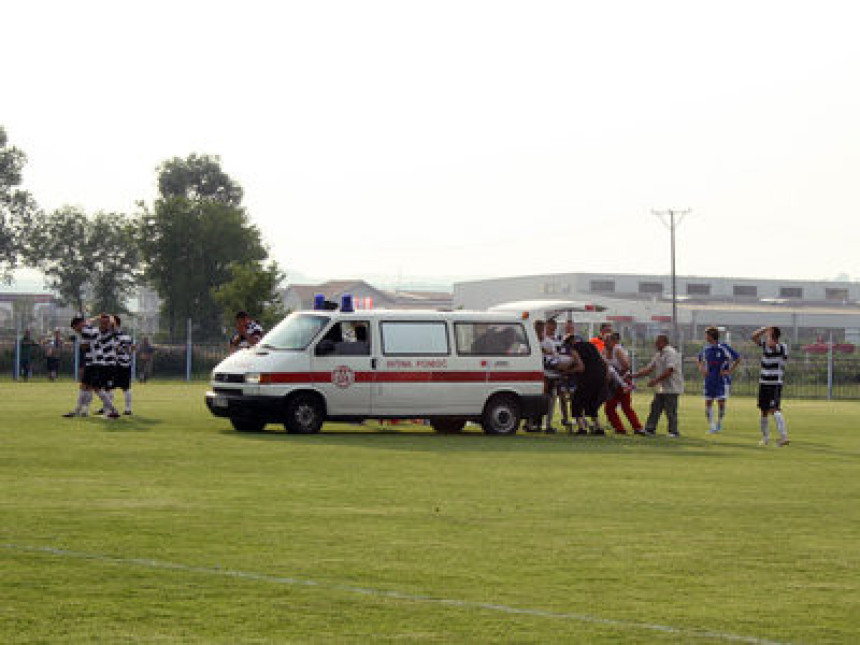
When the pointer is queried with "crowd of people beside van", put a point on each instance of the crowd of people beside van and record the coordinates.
(581, 376)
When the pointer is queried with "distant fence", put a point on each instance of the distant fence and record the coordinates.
(169, 361)
(807, 375)
(812, 376)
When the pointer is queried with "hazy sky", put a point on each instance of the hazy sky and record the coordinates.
(463, 138)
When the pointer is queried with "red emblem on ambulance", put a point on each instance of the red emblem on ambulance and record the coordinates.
(342, 376)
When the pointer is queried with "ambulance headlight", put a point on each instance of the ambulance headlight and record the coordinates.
(253, 378)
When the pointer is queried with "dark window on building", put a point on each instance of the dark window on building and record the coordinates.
(698, 289)
(602, 286)
(791, 292)
(650, 287)
(836, 294)
(745, 290)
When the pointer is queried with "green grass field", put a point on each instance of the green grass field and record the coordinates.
(171, 527)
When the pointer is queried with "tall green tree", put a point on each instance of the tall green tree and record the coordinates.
(82, 256)
(16, 206)
(190, 236)
(254, 288)
(115, 261)
(61, 247)
(198, 177)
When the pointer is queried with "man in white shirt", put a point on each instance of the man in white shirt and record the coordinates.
(668, 381)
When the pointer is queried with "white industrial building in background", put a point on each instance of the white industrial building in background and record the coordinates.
(642, 304)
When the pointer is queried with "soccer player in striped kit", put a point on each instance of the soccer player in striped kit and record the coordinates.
(98, 364)
(125, 348)
(773, 358)
(248, 332)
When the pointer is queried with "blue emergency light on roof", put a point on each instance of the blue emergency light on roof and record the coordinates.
(346, 304)
(319, 302)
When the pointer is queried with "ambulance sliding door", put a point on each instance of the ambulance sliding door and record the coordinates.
(418, 376)
(501, 349)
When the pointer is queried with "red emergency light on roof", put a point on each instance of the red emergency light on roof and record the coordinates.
(590, 307)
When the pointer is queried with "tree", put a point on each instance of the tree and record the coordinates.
(78, 255)
(190, 236)
(199, 177)
(16, 206)
(115, 261)
(60, 246)
(253, 288)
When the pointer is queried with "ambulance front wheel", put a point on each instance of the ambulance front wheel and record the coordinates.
(305, 414)
(501, 415)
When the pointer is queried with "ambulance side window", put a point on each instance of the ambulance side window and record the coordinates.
(414, 338)
(346, 339)
(491, 339)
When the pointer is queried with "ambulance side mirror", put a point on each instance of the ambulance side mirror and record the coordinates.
(324, 347)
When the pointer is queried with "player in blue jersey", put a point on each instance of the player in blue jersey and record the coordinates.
(716, 362)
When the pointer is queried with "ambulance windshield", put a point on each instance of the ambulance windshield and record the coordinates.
(296, 331)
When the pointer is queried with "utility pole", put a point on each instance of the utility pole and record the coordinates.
(671, 219)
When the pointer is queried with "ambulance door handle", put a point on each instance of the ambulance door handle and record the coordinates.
(373, 363)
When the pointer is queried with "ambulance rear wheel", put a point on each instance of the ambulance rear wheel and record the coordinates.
(447, 426)
(247, 424)
(304, 414)
(501, 415)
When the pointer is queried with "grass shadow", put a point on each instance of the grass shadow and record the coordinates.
(372, 438)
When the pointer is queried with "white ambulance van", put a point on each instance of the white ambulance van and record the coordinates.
(345, 365)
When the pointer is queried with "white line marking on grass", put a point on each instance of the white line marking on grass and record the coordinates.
(384, 593)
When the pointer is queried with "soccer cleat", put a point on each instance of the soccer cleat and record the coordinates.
(101, 411)
(763, 442)
(598, 432)
(783, 442)
(127, 413)
(674, 435)
(69, 415)
(113, 415)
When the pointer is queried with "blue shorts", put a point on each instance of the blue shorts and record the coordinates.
(716, 388)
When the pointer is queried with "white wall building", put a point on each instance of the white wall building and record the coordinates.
(803, 308)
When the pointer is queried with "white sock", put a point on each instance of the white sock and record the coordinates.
(82, 401)
(710, 414)
(128, 400)
(105, 397)
(720, 419)
(764, 431)
(550, 410)
(780, 424)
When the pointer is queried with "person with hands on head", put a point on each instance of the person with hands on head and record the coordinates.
(773, 358)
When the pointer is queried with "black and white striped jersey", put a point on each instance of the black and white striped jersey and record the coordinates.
(773, 361)
(243, 341)
(88, 337)
(124, 343)
(104, 349)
